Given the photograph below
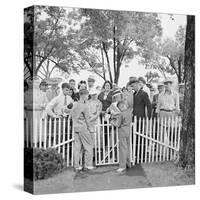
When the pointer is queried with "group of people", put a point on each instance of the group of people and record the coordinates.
(89, 103)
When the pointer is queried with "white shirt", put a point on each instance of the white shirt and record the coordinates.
(56, 105)
(168, 101)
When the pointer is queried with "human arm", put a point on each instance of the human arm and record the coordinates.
(50, 106)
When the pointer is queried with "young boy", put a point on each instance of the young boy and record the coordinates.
(124, 120)
(82, 131)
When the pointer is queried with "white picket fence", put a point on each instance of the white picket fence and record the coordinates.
(151, 140)
(155, 140)
(51, 133)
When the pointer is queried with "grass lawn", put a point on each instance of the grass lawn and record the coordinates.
(106, 178)
(168, 174)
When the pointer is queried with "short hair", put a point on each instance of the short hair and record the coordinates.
(108, 83)
(65, 85)
(72, 80)
(134, 81)
(120, 103)
(142, 80)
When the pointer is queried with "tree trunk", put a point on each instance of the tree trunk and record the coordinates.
(114, 50)
(117, 72)
(187, 151)
(108, 62)
(179, 70)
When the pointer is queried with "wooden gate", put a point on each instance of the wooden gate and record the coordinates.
(154, 140)
(106, 144)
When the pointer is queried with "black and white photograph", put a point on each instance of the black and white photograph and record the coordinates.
(109, 99)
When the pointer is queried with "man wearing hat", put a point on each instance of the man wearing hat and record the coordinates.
(168, 101)
(82, 131)
(161, 89)
(52, 91)
(141, 100)
(91, 82)
(43, 86)
(132, 78)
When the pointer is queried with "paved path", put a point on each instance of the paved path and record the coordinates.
(102, 178)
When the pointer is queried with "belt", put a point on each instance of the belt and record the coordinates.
(167, 110)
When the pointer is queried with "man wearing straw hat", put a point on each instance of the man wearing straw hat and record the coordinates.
(91, 83)
(168, 101)
(52, 92)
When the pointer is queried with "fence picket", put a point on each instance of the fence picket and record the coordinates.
(146, 140)
(63, 138)
(72, 149)
(130, 142)
(103, 138)
(154, 144)
(40, 133)
(49, 132)
(68, 138)
(134, 141)
(168, 136)
(35, 132)
(175, 137)
(99, 149)
(117, 143)
(150, 141)
(157, 137)
(108, 140)
(54, 132)
(161, 139)
(45, 133)
(113, 145)
(143, 127)
(138, 145)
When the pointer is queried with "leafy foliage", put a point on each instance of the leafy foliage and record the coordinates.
(167, 56)
(46, 163)
(121, 33)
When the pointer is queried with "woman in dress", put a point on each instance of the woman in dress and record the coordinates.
(105, 97)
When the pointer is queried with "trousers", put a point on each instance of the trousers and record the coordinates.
(83, 139)
(124, 146)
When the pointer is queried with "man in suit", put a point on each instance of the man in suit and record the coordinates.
(141, 100)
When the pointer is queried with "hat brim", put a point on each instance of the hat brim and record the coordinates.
(167, 82)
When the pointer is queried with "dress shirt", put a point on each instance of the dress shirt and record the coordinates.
(56, 105)
(168, 101)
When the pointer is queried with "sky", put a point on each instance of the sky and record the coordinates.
(169, 29)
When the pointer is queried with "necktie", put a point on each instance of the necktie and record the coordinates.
(65, 101)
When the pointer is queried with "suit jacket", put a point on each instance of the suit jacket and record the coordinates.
(141, 100)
